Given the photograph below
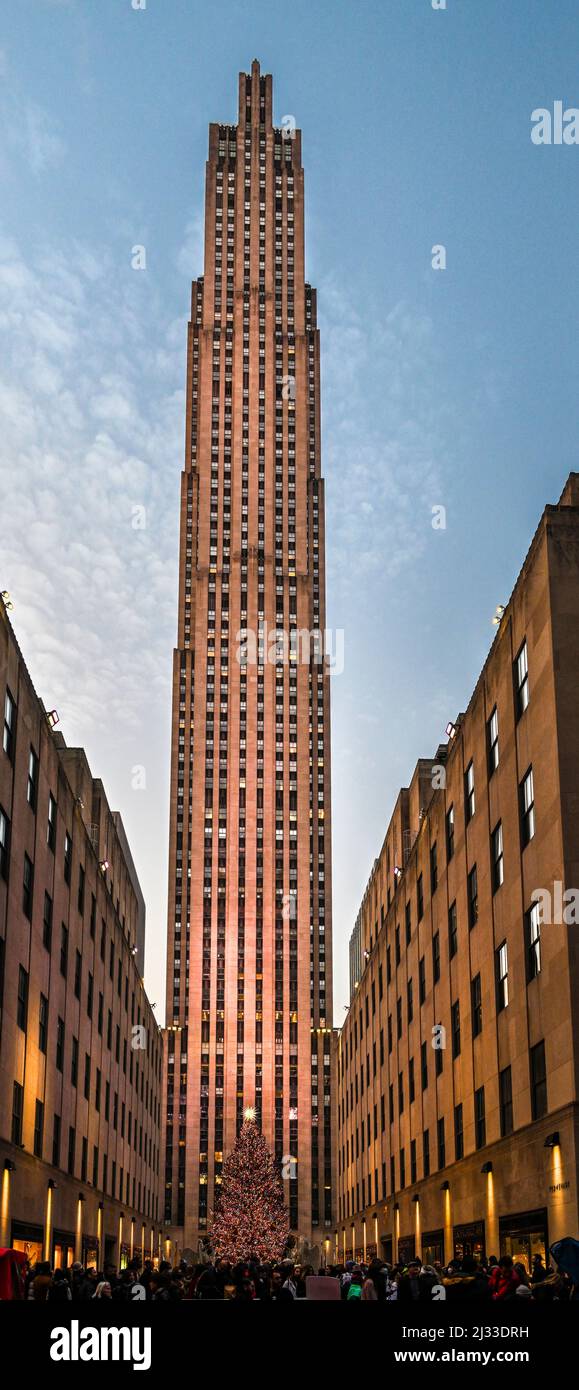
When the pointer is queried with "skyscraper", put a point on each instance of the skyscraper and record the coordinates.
(249, 982)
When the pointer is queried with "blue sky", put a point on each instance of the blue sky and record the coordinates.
(454, 388)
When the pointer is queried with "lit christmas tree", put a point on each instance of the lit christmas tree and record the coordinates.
(251, 1217)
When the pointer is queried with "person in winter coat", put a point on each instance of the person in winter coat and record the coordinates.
(355, 1289)
(369, 1294)
(41, 1283)
(59, 1291)
(504, 1280)
(409, 1286)
(466, 1281)
(103, 1290)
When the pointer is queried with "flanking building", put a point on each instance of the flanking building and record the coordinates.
(80, 1049)
(458, 1062)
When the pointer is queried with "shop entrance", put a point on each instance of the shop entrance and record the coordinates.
(433, 1247)
(30, 1240)
(469, 1241)
(62, 1250)
(523, 1236)
(406, 1249)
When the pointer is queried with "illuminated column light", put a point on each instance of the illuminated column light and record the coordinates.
(492, 1229)
(396, 1230)
(5, 1205)
(353, 1241)
(376, 1231)
(99, 1235)
(417, 1251)
(447, 1223)
(364, 1236)
(78, 1238)
(48, 1222)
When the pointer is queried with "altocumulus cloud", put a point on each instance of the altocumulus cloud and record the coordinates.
(386, 436)
(92, 428)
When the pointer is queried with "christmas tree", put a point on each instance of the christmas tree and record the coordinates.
(250, 1219)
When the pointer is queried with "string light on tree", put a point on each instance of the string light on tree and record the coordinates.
(250, 1218)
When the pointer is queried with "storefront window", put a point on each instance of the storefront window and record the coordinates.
(523, 1236)
(63, 1253)
(469, 1241)
(33, 1249)
(406, 1249)
(433, 1247)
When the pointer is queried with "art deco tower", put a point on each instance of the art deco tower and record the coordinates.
(249, 983)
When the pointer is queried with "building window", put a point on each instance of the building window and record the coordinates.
(455, 1028)
(538, 1081)
(450, 833)
(74, 1062)
(476, 1005)
(27, 887)
(51, 824)
(527, 805)
(533, 941)
(56, 1142)
(423, 1065)
(422, 980)
(472, 894)
(506, 1101)
(4, 845)
(410, 1001)
(71, 1150)
(497, 857)
(469, 797)
(32, 784)
(22, 1001)
(67, 857)
(63, 950)
(441, 1143)
(408, 921)
(426, 1152)
(38, 1128)
(458, 1133)
(452, 931)
(80, 899)
(502, 976)
(493, 741)
(77, 974)
(521, 681)
(433, 868)
(9, 725)
(60, 1044)
(480, 1128)
(436, 957)
(17, 1106)
(413, 1160)
(43, 1023)
(47, 922)
(420, 898)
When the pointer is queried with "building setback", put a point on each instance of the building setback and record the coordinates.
(458, 1060)
(80, 1050)
(249, 983)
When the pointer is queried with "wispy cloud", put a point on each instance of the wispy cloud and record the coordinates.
(385, 423)
(91, 429)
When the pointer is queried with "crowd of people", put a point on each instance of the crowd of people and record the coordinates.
(496, 1280)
